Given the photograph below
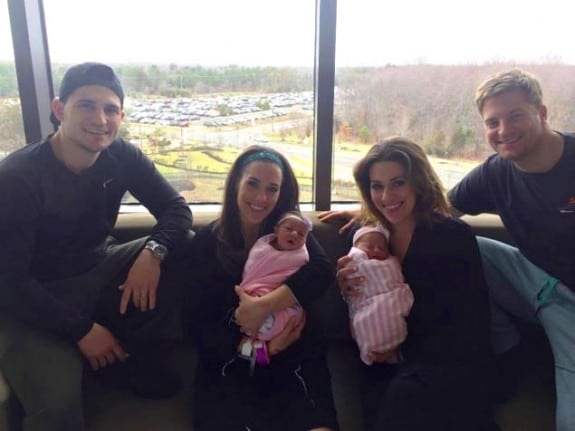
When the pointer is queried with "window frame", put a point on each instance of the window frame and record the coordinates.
(32, 63)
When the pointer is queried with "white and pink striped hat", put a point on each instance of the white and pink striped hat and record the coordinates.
(368, 229)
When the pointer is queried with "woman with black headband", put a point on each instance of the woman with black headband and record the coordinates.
(283, 384)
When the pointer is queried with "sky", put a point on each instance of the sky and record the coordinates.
(281, 33)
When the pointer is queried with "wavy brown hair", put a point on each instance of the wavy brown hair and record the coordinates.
(430, 196)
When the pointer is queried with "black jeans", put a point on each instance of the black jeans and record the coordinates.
(45, 371)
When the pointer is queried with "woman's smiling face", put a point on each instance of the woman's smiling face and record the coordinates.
(258, 191)
(391, 192)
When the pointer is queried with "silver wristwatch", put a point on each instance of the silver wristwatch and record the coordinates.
(159, 251)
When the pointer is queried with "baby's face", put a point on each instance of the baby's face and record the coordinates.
(291, 234)
(374, 244)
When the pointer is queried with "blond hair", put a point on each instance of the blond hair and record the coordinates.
(514, 79)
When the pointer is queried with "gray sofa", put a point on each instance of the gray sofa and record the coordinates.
(109, 409)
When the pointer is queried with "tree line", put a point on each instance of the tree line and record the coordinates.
(434, 105)
(431, 104)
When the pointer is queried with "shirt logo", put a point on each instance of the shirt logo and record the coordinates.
(108, 181)
(569, 208)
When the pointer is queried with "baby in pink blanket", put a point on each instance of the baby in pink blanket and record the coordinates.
(378, 311)
(271, 260)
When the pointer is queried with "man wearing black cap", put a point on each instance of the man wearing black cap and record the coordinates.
(68, 290)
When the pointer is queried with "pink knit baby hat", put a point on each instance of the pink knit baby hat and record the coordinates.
(368, 229)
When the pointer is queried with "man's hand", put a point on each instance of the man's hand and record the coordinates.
(251, 312)
(350, 217)
(289, 335)
(100, 347)
(141, 285)
(346, 280)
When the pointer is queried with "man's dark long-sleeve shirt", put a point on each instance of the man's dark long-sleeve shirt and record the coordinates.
(54, 224)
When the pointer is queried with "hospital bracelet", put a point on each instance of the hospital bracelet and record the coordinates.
(255, 351)
(247, 349)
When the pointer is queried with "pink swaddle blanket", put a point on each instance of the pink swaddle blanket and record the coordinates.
(265, 270)
(378, 313)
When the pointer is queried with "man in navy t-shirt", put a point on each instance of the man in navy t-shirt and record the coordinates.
(530, 184)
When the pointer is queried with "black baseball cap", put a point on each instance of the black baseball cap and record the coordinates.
(90, 73)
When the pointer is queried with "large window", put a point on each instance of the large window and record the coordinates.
(203, 79)
(411, 67)
(11, 129)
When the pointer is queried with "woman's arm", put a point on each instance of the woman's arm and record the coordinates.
(210, 304)
(253, 310)
(448, 322)
(303, 287)
(474, 330)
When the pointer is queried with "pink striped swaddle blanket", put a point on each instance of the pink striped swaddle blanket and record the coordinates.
(378, 313)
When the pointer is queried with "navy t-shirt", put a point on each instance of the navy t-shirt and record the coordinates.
(538, 209)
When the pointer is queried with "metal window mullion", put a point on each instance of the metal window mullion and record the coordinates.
(32, 66)
(324, 81)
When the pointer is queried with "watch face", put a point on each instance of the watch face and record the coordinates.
(158, 250)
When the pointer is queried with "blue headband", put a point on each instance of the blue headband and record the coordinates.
(262, 156)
